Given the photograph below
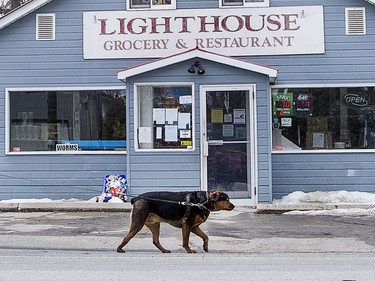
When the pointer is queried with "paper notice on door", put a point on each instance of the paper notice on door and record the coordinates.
(228, 130)
(239, 116)
(217, 115)
(228, 118)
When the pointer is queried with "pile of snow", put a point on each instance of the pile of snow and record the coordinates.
(96, 199)
(331, 197)
(352, 212)
(41, 200)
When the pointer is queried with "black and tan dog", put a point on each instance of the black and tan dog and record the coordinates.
(186, 210)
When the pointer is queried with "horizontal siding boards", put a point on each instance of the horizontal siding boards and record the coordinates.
(50, 191)
(25, 62)
(188, 4)
(343, 53)
(170, 171)
(56, 177)
(324, 172)
(31, 63)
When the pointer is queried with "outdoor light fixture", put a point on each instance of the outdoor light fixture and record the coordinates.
(198, 65)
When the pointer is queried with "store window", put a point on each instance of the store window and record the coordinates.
(165, 117)
(66, 121)
(244, 3)
(323, 118)
(151, 4)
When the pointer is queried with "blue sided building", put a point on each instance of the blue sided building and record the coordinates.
(256, 98)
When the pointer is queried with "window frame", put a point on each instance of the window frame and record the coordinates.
(171, 6)
(265, 3)
(137, 117)
(319, 151)
(8, 150)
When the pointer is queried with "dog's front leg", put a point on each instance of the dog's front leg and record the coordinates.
(186, 236)
(197, 231)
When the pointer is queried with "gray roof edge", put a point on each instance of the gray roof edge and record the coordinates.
(21, 11)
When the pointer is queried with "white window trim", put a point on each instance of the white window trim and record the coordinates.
(152, 6)
(265, 3)
(323, 151)
(7, 121)
(136, 117)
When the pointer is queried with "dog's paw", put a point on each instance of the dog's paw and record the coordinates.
(166, 252)
(190, 251)
(119, 250)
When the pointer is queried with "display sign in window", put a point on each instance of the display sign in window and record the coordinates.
(323, 118)
(165, 117)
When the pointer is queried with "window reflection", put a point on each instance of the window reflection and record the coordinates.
(323, 118)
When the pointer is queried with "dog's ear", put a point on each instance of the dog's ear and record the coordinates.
(214, 195)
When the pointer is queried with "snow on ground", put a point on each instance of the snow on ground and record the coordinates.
(47, 200)
(41, 200)
(331, 197)
(339, 198)
(351, 212)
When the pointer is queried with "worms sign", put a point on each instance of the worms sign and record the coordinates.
(232, 32)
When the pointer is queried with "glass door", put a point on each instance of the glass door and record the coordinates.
(226, 139)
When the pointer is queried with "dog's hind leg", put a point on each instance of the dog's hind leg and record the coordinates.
(137, 223)
(155, 230)
(132, 232)
(199, 232)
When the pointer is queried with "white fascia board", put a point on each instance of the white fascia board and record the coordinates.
(196, 53)
(21, 12)
(371, 1)
(270, 71)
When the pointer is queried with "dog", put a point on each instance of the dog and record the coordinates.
(185, 210)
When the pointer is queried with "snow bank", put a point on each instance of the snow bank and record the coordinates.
(331, 197)
(41, 200)
(353, 212)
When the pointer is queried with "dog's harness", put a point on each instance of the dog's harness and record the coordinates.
(182, 203)
(199, 205)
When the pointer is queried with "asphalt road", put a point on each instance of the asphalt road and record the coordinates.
(243, 246)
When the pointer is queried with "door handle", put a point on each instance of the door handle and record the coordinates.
(216, 142)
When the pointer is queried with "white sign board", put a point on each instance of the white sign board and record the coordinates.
(66, 147)
(232, 32)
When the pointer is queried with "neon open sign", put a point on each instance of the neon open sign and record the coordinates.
(356, 99)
